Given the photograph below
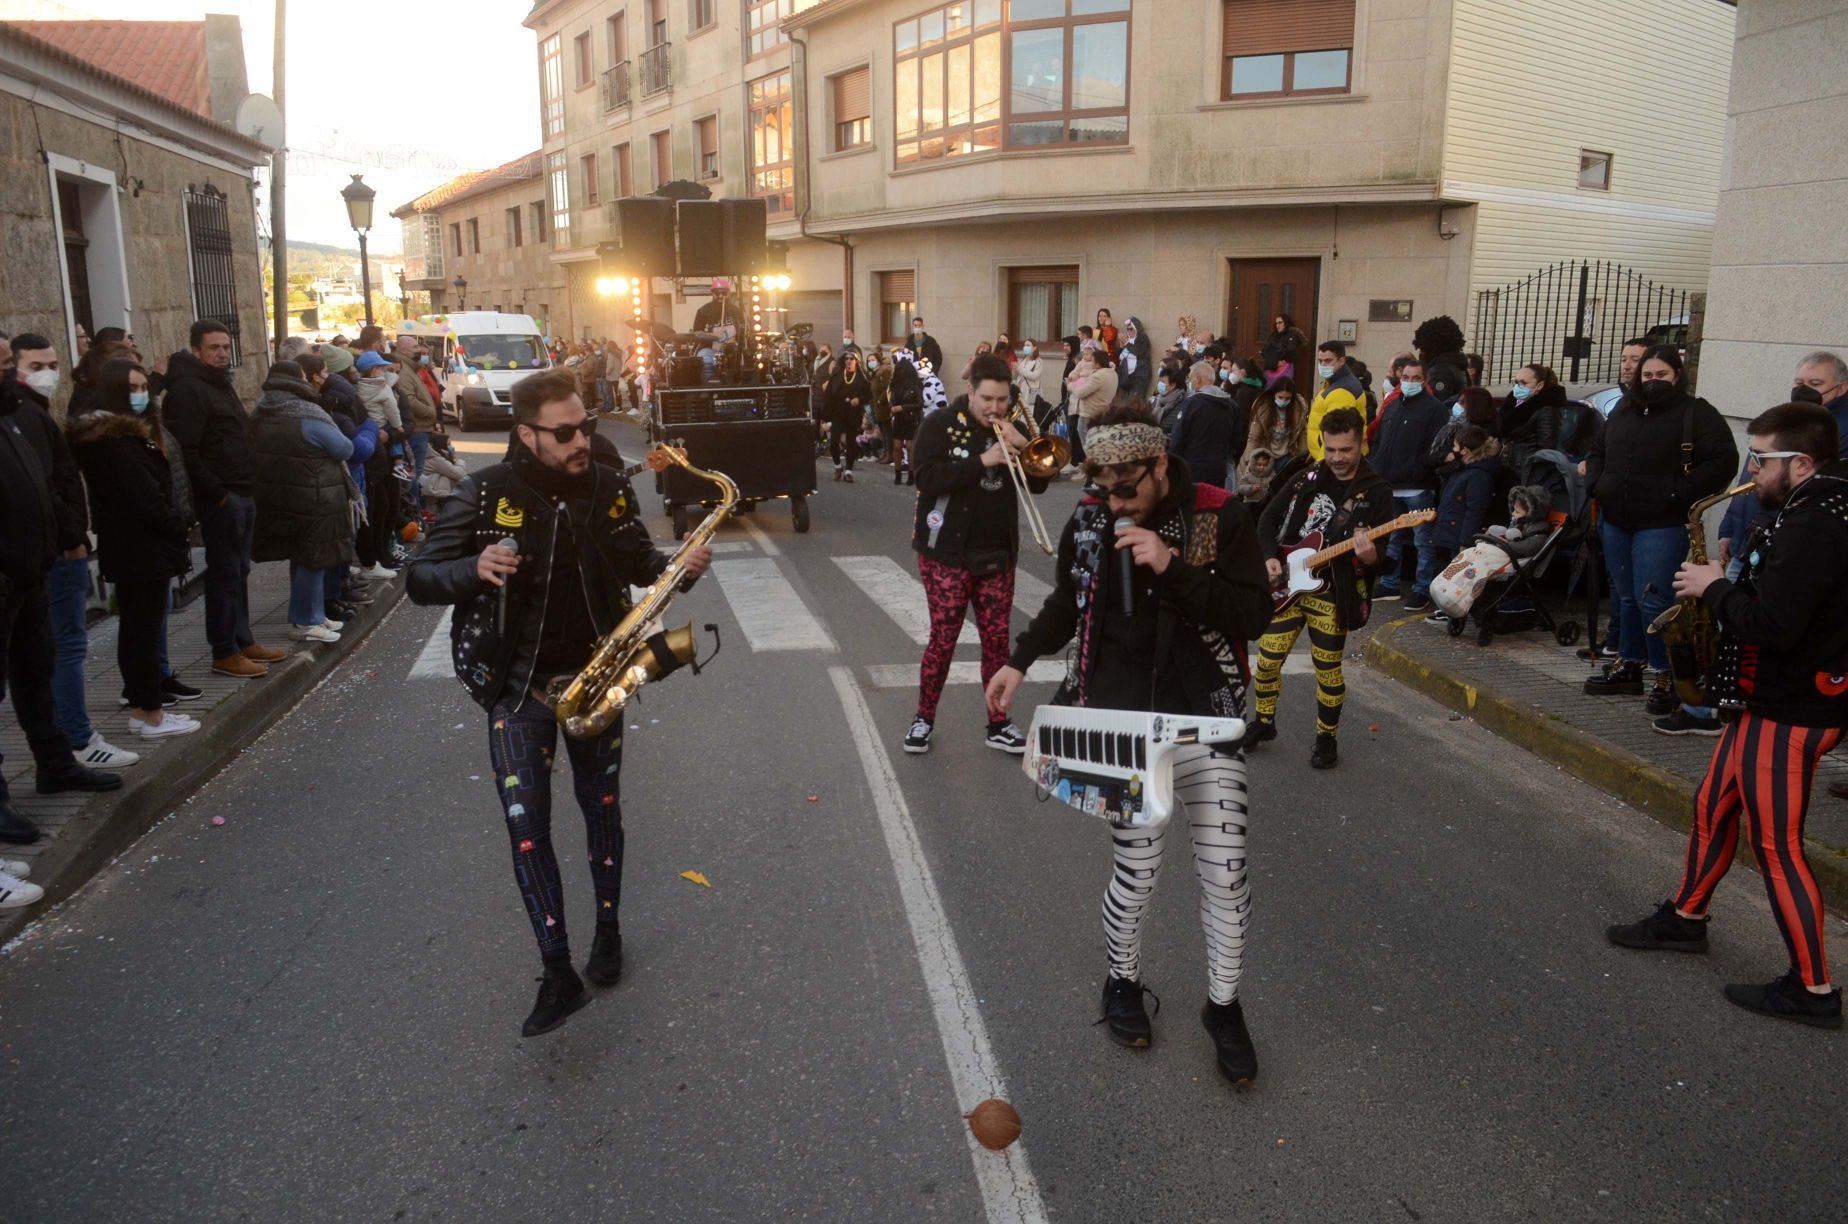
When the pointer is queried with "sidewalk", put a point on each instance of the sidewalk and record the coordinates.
(83, 832)
(1527, 689)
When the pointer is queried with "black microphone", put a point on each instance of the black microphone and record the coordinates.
(500, 606)
(1126, 569)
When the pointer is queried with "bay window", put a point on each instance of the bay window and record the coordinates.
(773, 173)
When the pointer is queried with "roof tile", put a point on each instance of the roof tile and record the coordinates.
(164, 57)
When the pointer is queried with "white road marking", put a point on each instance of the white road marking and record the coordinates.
(1009, 1191)
(433, 661)
(721, 547)
(899, 595)
(757, 533)
(1029, 592)
(768, 609)
(963, 671)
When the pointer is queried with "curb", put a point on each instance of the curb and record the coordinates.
(1665, 797)
(101, 831)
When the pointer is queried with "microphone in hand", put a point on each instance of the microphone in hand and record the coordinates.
(500, 605)
(1126, 569)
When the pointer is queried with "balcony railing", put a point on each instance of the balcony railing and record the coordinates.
(616, 86)
(657, 73)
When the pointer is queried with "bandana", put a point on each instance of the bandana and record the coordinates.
(1115, 445)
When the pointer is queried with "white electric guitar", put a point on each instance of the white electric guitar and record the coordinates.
(1302, 559)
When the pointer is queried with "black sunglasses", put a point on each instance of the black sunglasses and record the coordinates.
(1123, 492)
(563, 434)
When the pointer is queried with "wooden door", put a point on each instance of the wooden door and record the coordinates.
(1262, 289)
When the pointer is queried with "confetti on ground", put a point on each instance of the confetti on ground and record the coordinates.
(474, 777)
(217, 820)
(697, 878)
(814, 798)
(1373, 727)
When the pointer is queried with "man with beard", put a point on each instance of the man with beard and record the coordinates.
(1780, 680)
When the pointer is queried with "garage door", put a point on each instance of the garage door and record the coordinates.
(820, 309)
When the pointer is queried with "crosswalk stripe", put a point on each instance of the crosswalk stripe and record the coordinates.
(767, 607)
(721, 547)
(1029, 592)
(963, 671)
(433, 662)
(899, 595)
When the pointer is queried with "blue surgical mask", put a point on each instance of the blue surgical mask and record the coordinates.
(1162, 386)
(1224, 374)
(1456, 411)
(1409, 389)
(1520, 393)
(1028, 349)
(1325, 371)
(138, 401)
(424, 360)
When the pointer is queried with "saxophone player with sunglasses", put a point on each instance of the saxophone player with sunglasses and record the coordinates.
(528, 615)
(1780, 680)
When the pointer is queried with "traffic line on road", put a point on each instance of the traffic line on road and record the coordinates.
(962, 671)
(757, 533)
(899, 595)
(433, 661)
(722, 547)
(1009, 1191)
(1029, 592)
(767, 607)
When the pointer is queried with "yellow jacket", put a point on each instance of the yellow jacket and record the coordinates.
(1341, 391)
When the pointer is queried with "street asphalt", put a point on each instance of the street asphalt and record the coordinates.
(312, 1011)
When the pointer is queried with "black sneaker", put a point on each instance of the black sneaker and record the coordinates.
(561, 992)
(1623, 678)
(918, 738)
(341, 611)
(604, 968)
(15, 829)
(78, 778)
(167, 700)
(1662, 931)
(356, 596)
(1592, 654)
(1439, 618)
(1225, 1023)
(1260, 731)
(1662, 696)
(1007, 737)
(1683, 723)
(179, 690)
(1417, 602)
(1385, 594)
(1124, 1018)
(1324, 755)
(1786, 999)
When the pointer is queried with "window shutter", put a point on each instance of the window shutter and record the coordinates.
(896, 288)
(852, 96)
(1269, 27)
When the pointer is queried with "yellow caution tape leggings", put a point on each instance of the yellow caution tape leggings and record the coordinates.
(1326, 644)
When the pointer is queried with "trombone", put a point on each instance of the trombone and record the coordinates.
(1045, 456)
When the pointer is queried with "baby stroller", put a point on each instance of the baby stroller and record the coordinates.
(1568, 519)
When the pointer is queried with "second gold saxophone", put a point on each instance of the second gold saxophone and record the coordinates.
(636, 650)
(1687, 629)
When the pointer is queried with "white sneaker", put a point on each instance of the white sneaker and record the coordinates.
(19, 869)
(170, 724)
(313, 633)
(99, 753)
(15, 893)
(378, 573)
(331, 623)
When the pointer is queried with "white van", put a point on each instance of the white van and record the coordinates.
(482, 354)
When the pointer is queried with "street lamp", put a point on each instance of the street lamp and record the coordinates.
(461, 294)
(359, 199)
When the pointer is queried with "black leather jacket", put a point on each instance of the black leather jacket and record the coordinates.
(524, 500)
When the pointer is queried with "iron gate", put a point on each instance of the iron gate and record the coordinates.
(1574, 316)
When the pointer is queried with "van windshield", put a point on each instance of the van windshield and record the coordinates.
(502, 351)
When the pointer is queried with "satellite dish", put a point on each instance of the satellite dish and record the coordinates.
(259, 118)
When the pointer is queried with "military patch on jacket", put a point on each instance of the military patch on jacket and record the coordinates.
(506, 514)
(620, 506)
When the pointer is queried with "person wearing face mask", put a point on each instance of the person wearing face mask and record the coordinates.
(1408, 428)
(141, 540)
(1662, 450)
(1093, 385)
(376, 376)
(1027, 378)
(1821, 378)
(1279, 428)
(848, 346)
(924, 345)
(1209, 433)
(1170, 391)
(1530, 419)
(408, 351)
(1336, 387)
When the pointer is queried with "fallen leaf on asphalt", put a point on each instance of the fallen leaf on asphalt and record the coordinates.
(1374, 727)
(372, 675)
(218, 820)
(814, 798)
(697, 878)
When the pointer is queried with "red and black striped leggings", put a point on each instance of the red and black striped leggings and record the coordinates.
(1764, 768)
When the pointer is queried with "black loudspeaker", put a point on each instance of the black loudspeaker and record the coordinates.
(645, 228)
(747, 253)
(702, 237)
(686, 372)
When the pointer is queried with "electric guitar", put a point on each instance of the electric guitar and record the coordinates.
(1301, 560)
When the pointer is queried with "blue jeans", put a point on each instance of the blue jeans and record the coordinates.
(1423, 538)
(307, 595)
(228, 531)
(1642, 565)
(68, 585)
(606, 396)
(420, 450)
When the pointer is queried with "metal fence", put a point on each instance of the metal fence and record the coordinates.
(657, 71)
(616, 86)
(214, 273)
(1574, 316)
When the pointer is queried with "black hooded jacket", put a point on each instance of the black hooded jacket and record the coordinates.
(28, 520)
(29, 411)
(140, 535)
(202, 410)
(1529, 426)
(1635, 468)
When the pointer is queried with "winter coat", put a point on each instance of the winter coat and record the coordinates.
(1167, 409)
(182, 488)
(1027, 378)
(28, 519)
(1635, 468)
(1092, 394)
(1292, 435)
(1203, 436)
(946, 462)
(1137, 363)
(1408, 427)
(1467, 503)
(202, 410)
(139, 535)
(416, 394)
(1280, 347)
(882, 395)
(304, 495)
(29, 412)
(381, 404)
(1529, 426)
(842, 413)
(926, 348)
(441, 477)
(1341, 391)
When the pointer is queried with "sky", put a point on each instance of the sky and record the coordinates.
(442, 88)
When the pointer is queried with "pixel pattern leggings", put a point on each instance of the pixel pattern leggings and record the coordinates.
(1326, 644)
(950, 590)
(520, 744)
(1211, 786)
(1765, 769)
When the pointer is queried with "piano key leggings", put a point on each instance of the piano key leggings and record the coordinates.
(1210, 784)
(1326, 645)
(521, 742)
(950, 590)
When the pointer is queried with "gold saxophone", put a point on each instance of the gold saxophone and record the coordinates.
(1687, 629)
(628, 656)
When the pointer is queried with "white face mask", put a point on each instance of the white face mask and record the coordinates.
(391, 380)
(1281, 403)
(1027, 349)
(1325, 371)
(45, 382)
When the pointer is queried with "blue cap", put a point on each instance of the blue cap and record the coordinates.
(370, 360)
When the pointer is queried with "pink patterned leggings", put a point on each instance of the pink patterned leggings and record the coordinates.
(949, 590)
